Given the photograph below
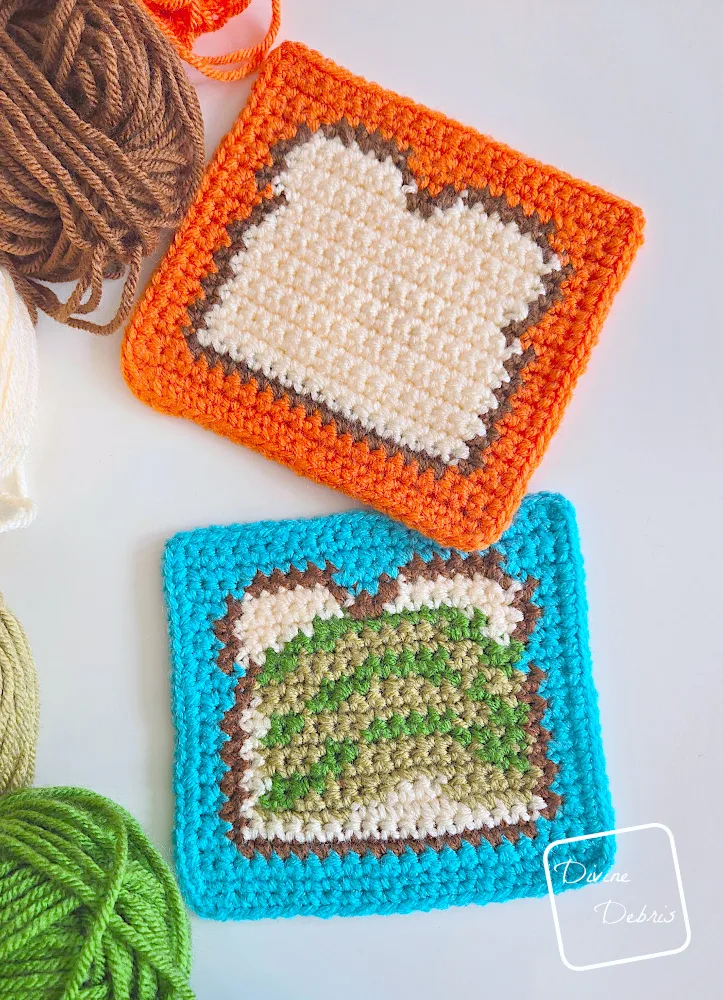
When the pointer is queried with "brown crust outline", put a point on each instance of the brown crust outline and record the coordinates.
(309, 577)
(365, 605)
(419, 201)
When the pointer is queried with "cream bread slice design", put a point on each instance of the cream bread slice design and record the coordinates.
(397, 321)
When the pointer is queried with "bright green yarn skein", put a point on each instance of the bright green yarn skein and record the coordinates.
(88, 908)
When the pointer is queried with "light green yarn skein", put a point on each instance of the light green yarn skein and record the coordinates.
(89, 909)
(18, 704)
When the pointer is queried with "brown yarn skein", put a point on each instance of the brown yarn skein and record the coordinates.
(101, 149)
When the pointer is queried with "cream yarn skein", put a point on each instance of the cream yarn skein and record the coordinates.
(18, 398)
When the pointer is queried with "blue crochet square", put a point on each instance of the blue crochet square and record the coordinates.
(369, 723)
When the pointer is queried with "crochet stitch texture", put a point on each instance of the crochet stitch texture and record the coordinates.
(380, 298)
(367, 722)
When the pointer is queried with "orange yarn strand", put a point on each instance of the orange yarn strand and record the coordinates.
(183, 21)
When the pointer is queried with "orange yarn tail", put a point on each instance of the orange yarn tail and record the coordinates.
(183, 21)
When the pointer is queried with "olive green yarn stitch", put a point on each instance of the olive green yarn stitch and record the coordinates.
(410, 679)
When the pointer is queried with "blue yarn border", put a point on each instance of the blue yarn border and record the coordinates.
(202, 567)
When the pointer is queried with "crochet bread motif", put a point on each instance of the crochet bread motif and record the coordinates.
(381, 298)
(387, 722)
(367, 722)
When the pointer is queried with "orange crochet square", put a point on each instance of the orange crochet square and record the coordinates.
(388, 302)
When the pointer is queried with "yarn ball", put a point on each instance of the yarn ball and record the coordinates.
(88, 908)
(18, 704)
(101, 149)
(18, 396)
(183, 21)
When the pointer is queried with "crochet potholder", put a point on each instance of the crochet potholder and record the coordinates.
(382, 299)
(369, 723)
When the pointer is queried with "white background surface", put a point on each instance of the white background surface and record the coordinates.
(623, 94)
